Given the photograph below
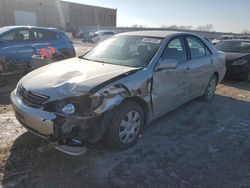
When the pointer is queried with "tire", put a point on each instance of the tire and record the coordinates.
(210, 90)
(2, 81)
(122, 133)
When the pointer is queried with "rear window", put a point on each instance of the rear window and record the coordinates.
(234, 46)
(44, 35)
(107, 33)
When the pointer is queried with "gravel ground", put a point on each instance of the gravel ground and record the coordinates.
(197, 145)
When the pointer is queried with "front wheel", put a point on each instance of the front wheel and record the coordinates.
(210, 90)
(126, 125)
(2, 80)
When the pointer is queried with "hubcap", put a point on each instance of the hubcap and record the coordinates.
(211, 88)
(129, 127)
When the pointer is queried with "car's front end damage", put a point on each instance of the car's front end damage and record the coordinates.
(69, 115)
(68, 132)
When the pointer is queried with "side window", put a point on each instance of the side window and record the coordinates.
(175, 50)
(207, 51)
(17, 35)
(197, 48)
(44, 35)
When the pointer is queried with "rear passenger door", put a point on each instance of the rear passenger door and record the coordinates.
(200, 65)
(43, 38)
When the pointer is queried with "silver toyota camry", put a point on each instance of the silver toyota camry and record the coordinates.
(116, 89)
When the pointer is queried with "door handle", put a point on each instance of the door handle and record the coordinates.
(187, 70)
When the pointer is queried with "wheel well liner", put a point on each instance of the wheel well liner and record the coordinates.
(142, 103)
(217, 76)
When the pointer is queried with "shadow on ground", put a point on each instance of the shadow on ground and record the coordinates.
(10, 85)
(244, 85)
(197, 145)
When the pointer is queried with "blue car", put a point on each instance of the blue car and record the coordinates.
(19, 43)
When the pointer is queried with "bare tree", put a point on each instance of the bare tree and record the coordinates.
(207, 27)
(138, 26)
(245, 31)
(176, 27)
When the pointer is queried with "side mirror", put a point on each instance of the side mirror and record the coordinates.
(166, 64)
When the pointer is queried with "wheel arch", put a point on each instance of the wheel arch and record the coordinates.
(217, 76)
(143, 104)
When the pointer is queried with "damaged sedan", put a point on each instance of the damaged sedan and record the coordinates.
(116, 89)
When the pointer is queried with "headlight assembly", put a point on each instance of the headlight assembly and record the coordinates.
(68, 109)
(239, 62)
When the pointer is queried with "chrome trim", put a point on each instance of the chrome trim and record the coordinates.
(36, 119)
(71, 150)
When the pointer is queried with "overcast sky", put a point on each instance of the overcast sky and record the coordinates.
(225, 15)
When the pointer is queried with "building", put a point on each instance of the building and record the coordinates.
(55, 13)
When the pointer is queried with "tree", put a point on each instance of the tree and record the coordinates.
(138, 26)
(245, 31)
(176, 27)
(207, 27)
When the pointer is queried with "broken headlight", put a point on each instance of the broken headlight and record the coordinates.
(70, 106)
(239, 62)
(68, 109)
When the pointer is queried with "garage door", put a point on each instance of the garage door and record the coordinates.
(25, 18)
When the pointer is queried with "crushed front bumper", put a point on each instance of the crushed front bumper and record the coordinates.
(36, 120)
(41, 123)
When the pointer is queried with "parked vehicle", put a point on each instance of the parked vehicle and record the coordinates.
(117, 88)
(237, 58)
(100, 36)
(19, 43)
(80, 35)
(87, 37)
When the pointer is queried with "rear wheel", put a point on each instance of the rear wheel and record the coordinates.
(210, 90)
(126, 125)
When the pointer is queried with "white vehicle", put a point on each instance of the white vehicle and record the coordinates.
(102, 35)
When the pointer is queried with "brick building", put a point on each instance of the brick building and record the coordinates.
(55, 13)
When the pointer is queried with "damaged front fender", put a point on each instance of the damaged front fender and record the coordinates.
(112, 97)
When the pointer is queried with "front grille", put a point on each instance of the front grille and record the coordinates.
(32, 99)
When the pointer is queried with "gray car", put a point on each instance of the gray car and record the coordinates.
(112, 92)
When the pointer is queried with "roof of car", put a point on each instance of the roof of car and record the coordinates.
(102, 31)
(25, 26)
(160, 34)
(241, 40)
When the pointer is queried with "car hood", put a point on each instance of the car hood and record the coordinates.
(71, 77)
(230, 56)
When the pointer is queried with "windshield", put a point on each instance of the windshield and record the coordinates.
(3, 29)
(234, 46)
(129, 51)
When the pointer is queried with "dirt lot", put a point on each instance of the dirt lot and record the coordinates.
(197, 145)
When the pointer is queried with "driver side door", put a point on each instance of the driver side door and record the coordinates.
(17, 49)
(170, 86)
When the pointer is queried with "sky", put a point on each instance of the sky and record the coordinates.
(225, 15)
